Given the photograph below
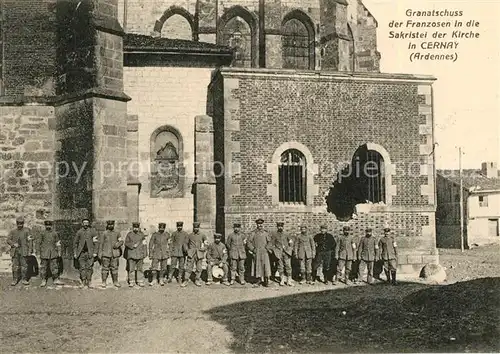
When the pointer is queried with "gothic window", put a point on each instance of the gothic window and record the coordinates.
(371, 175)
(166, 154)
(237, 34)
(298, 45)
(292, 177)
(177, 27)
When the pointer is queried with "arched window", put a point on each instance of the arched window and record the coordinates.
(297, 41)
(370, 171)
(166, 162)
(292, 177)
(237, 34)
(177, 27)
(176, 22)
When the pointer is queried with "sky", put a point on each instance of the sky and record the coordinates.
(467, 92)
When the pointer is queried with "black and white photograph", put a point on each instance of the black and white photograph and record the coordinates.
(252, 176)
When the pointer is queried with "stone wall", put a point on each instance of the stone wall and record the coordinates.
(29, 56)
(328, 117)
(27, 158)
(336, 25)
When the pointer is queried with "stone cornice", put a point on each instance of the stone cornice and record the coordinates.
(326, 75)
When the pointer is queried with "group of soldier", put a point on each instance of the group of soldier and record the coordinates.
(269, 254)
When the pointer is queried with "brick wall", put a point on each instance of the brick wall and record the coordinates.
(340, 116)
(166, 96)
(331, 117)
(26, 165)
(30, 47)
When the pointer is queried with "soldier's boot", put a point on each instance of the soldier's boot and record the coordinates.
(225, 282)
(140, 279)
(302, 279)
(114, 277)
(104, 278)
(387, 275)
(393, 277)
(15, 278)
(283, 280)
(334, 279)
(241, 278)
(26, 282)
(290, 281)
(58, 281)
(131, 279)
(369, 279)
(232, 281)
(44, 283)
(162, 277)
(308, 278)
(170, 276)
(153, 278)
(266, 282)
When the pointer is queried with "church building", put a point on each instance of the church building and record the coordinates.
(212, 111)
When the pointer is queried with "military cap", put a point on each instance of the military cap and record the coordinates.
(162, 225)
(323, 227)
(346, 228)
(196, 224)
(303, 226)
(136, 224)
(369, 229)
(85, 219)
(280, 224)
(218, 235)
(20, 220)
(387, 228)
(47, 222)
(236, 224)
(110, 222)
(180, 223)
(259, 221)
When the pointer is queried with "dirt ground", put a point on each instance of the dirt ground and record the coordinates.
(463, 316)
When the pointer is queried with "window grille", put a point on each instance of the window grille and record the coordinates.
(292, 177)
(298, 44)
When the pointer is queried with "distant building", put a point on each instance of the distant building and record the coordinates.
(481, 196)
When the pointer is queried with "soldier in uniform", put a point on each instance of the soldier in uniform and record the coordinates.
(282, 244)
(196, 245)
(305, 251)
(259, 246)
(217, 255)
(367, 254)
(159, 252)
(20, 241)
(49, 250)
(110, 250)
(85, 248)
(236, 244)
(345, 251)
(389, 255)
(177, 252)
(325, 252)
(136, 245)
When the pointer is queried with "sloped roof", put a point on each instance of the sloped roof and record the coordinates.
(472, 180)
(132, 42)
